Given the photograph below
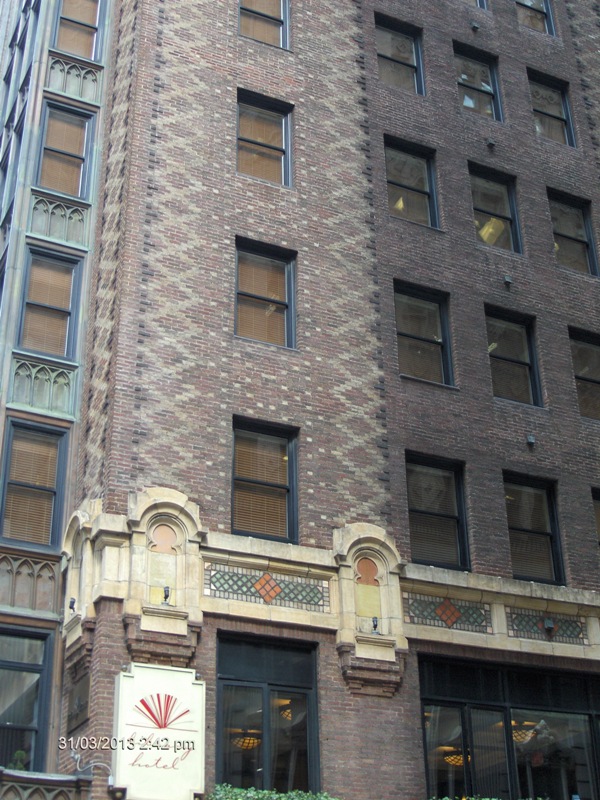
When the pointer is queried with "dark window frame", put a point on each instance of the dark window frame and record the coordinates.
(285, 111)
(97, 29)
(290, 434)
(288, 261)
(428, 157)
(283, 20)
(440, 299)
(585, 207)
(58, 493)
(553, 535)
(596, 507)
(500, 178)
(592, 339)
(491, 62)
(457, 468)
(416, 34)
(528, 324)
(546, 14)
(40, 729)
(85, 159)
(270, 684)
(567, 119)
(75, 264)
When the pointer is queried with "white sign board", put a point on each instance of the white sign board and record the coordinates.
(158, 741)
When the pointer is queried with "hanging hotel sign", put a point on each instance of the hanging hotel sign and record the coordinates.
(158, 741)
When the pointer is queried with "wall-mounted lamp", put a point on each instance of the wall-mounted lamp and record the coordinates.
(474, 25)
(491, 144)
(508, 281)
(166, 594)
(375, 622)
(530, 440)
(72, 602)
(549, 626)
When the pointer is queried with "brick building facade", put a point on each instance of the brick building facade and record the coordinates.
(278, 417)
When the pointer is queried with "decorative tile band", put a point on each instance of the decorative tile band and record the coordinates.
(272, 588)
(525, 623)
(441, 612)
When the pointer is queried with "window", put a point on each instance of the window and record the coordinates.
(423, 341)
(78, 27)
(47, 323)
(501, 732)
(436, 513)
(267, 715)
(573, 241)
(585, 351)
(596, 502)
(264, 295)
(32, 500)
(24, 662)
(535, 14)
(480, 3)
(264, 20)
(495, 211)
(551, 111)
(410, 186)
(512, 359)
(477, 85)
(66, 145)
(264, 476)
(399, 57)
(532, 530)
(263, 141)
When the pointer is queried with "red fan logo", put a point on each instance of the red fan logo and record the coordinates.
(162, 711)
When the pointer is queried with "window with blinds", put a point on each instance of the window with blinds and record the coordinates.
(264, 20)
(31, 487)
(436, 515)
(263, 484)
(532, 532)
(421, 325)
(264, 289)
(586, 365)
(510, 347)
(263, 142)
(78, 27)
(46, 325)
(65, 150)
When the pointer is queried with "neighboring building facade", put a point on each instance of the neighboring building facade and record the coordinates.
(301, 398)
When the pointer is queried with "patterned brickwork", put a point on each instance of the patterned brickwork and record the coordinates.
(441, 612)
(256, 586)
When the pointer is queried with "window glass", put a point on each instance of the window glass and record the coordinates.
(47, 307)
(397, 59)
(31, 486)
(78, 27)
(530, 532)
(475, 86)
(493, 213)
(420, 338)
(571, 242)
(533, 14)
(261, 484)
(263, 20)
(445, 752)
(262, 299)
(409, 194)
(63, 155)
(549, 111)
(586, 364)
(433, 515)
(510, 360)
(261, 149)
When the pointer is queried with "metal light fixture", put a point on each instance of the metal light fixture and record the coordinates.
(246, 740)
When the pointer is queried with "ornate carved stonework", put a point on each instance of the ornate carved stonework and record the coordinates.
(368, 676)
(155, 647)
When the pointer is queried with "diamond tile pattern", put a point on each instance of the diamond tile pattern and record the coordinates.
(442, 612)
(525, 623)
(256, 586)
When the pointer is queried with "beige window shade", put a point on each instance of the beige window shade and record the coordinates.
(260, 459)
(76, 39)
(433, 538)
(46, 329)
(257, 317)
(62, 162)
(260, 28)
(66, 132)
(82, 10)
(28, 508)
(530, 532)
(261, 145)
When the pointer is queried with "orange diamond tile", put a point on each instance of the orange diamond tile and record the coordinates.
(267, 587)
(448, 613)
